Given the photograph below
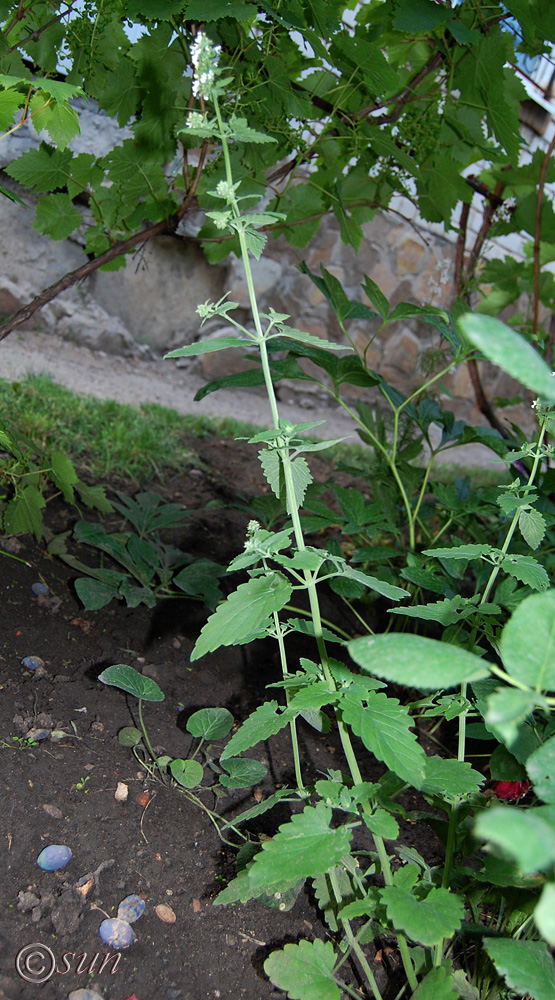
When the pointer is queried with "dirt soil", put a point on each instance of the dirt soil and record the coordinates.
(61, 791)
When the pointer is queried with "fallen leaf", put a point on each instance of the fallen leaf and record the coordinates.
(143, 798)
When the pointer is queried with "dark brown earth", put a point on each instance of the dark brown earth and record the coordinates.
(62, 792)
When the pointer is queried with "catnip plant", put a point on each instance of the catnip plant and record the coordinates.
(462, 929)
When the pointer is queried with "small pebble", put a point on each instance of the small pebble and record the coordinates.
(131, 908)
(122, 792)
(53, 811)
(54, 857)
(40, 589)
(116, 933)
(143, 798)
(32, 662)
(165, 913)
(38, 734)
(84, 995)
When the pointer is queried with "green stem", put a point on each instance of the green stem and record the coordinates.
(351, 938)
(293, 724)
(513, 525)
(293, 510)
(145, 734)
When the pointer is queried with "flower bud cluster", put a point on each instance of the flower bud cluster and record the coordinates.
(204, 56)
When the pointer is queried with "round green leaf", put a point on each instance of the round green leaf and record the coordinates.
(210, 723)
(130, 680)
(129, 736)
(187, 772)
(242, 772)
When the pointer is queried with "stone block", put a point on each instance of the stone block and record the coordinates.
(410, 256)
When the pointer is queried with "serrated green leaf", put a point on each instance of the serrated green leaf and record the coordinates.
(541, 770)
(242, 772)
(426, 921)
(382, 587)
(63, 474)
(521, 835)
(245, 614)
(450, 779)
(188, 773)
(384, 728)
(304, 970)
(438, 984)
(210, 723)
(56, 216)
(272, 467)
(10, 101)
(55, 117)
(472, 551)
(259, 809)
(528, 642)
(208, 347)
(265, 721)
(416, 661)
(24, 512)
(304, 847)
(532, 527)
(510, 351)
(127, 679)
(526, 966)
(94, 497)
(383, 824)
(42, 169)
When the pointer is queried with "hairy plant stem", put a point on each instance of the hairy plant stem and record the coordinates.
(513, 525)
(293, 509)
(351, 938)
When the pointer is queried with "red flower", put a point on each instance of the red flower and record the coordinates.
(511, 790)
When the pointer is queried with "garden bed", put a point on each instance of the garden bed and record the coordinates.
(61, 790)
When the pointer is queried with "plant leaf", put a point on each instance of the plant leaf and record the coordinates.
(544, 914)
(208, 347)
(127, 679)
(541, 770)
(438, 985)
(265, 721)
(524, 836)
(210, 723)
(243, 772)
(526, 569)
(305, 970)
(304, 847)
(510, 351)
(245, 614)
(526, 966)
(416, 661)
(384, 728)
(187, 773)
(450, 779)
(528, 642)
(426, 921)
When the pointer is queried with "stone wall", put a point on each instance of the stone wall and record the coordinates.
(149, 306)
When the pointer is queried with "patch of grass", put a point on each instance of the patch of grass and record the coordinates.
(148, 442)
(106, 438)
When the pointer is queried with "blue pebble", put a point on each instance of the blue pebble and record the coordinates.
(131, 908)
(116, 933)
(40, 589)
(32, 662)
(53, 857)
